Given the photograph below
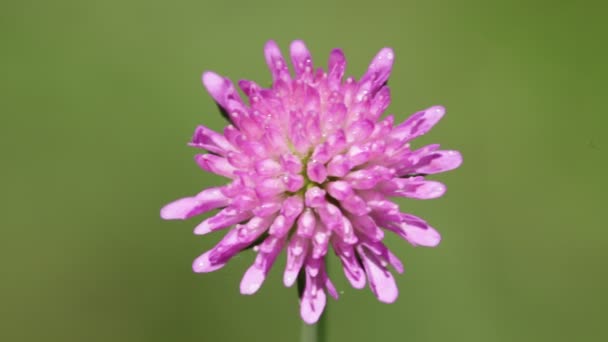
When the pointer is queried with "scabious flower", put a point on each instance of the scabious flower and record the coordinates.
(311, 167)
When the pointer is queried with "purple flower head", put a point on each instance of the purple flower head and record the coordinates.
(312, 166)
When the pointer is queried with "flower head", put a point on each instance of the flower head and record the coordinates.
(312, 167)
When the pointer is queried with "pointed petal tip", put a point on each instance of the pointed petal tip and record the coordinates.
(336, 58)
(211, 80)
(289, 278)
(168, 212)
(388, 296)
(216, 86)
(252, 280)
(270, 43)
(456, 157)
(428, 237)
(203, 228)
(202, 264)
(178, 209)
(298, 45)
(386, 54)
(431, 190)
(436, 113)
(271, 49)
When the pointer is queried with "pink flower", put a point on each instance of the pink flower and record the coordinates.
(312, 166)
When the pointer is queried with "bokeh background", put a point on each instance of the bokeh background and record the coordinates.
(98, 101)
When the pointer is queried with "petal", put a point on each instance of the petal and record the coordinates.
(232, 243)
(202, 264)
(418, 124)
(415, 230)
(331, 288)
(221, 220)
(313, 298)
(379, 70)
(210, 140)
(307, 223)
(256, 274)
(368, 178)
(276, 62)
(292, 207)
(379, 103)
(293, 182)
(381, 281)
(358, 155)
(268, 167)
(417, 236)
(222, 90)
(314, 197)
(214, 164)
(252, 280)
(334, 117)
(297, 252)
(336, 67)
(320, 241)
(291, 163)
(384, 254)
(316, 171)
(187, 207)
(270, 187)
(367, 226)
(359, 130)
(351, 265)
(414, 187)
(338, 166)
(311, 307)
(301, 59)
(250, 88)
(438, 161)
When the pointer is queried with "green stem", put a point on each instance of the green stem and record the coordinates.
(315, 332)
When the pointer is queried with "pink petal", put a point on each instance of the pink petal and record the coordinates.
(307, 224)
(336, 68)
(316, 171)
(214, 164)
(223, 219)
(439, 161)
(415, 187)
(313, 298)
(232, 243)
(268, 167)
(379, 103)
(210, 140)
(301, 59)
(381, 281)
(379, 69)
(417, 236)
(222, 91)
(314, 197)
(187, 207)
(252, 280)
(291, 163)
(276, 62)
(311, 307)
(297, 252)
(415, 230)
(418, 124)
(256, 274)
(359, 130)
(350, 264)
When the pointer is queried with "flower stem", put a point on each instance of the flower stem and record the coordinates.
(315, 332)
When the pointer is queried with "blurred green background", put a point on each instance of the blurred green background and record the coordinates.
(99, 99)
